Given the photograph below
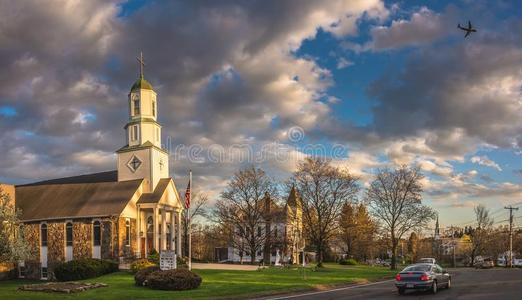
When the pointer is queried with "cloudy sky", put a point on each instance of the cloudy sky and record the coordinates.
(367, 83)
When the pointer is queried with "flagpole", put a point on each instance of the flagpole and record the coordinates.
(189, 227)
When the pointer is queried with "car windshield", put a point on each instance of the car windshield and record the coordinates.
(417, 268)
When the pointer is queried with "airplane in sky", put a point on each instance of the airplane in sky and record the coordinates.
(468, 30)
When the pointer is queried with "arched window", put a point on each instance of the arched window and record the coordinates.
(154, 108)
(69, 234)
(43, 235)
(127, 233)
(136, 106)
(96, 229)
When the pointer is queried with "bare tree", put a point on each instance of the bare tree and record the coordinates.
(197, 209)
(479, 235)
(324, 189)
(242, 207)
(395, 199)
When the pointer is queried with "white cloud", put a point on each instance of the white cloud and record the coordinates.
(343, 63)
(485, 161)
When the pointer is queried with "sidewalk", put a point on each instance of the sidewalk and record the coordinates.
(224, 267)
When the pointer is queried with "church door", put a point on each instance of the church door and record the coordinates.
(142, 250)
(150, 234)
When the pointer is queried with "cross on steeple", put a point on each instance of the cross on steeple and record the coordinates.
(142, 63)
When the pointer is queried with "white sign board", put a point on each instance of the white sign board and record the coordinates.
(167, 260)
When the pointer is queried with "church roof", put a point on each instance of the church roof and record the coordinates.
(145, 145)
(108, 176)
(73, 200)
(156, 195)
(141, 83)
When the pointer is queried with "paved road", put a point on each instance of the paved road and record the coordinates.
(494, 284)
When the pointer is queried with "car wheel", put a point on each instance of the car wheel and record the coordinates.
(434, 287)
(401, 291)
(448, 285)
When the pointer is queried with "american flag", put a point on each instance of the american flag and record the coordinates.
(187, 193)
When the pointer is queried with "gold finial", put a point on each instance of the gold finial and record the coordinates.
(142, 63)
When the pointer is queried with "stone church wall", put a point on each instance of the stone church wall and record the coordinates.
(82, 242)
(126, 251)
(55, 245)
(82, 238)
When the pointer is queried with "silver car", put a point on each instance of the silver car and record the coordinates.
(422, 277)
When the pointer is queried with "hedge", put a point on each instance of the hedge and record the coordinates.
(141, 276)
(84, 268)
(173, 280)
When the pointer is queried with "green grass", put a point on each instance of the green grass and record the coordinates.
(216, 284)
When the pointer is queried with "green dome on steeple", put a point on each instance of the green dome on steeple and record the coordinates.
(141, 83)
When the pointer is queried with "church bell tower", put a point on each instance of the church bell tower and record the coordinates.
(143, 157)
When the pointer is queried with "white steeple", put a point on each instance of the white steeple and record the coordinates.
(143, 156)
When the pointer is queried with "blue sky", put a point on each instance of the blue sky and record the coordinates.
(391, 82)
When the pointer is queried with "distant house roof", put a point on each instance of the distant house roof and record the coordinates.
(109, 176)
(73, 200)
(156, 195)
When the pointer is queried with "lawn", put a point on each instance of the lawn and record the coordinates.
(216, 284)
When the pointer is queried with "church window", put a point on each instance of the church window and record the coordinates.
(127, 233)
(134, 132)
(136, 103)
(21, 271)
(43, 235)
(154, 108)
(96, 233)
(69, 234)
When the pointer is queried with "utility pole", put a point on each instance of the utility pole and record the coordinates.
(454, 256)
(511, 209)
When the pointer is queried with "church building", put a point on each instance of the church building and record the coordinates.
(118, 215)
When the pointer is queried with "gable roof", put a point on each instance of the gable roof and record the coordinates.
(62, 201)
(109, 176)
(155, 197)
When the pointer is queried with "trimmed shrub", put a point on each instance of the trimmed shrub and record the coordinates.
(348, 262)
(154, 256)
(174, 280)
(141, 276)
(141, 264)
(181, 262)
(84, 268)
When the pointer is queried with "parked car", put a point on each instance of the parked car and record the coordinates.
(427, 261)
(485, 264)
(422, 277)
